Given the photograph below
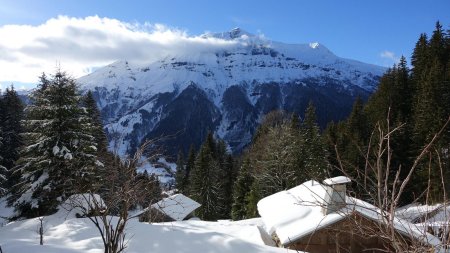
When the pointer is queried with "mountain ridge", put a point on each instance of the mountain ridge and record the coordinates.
(137, 99)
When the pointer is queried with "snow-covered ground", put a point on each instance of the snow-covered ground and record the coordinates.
(64, 234)
(4, 213)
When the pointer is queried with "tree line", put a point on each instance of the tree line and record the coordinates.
(415, 101)
(411, 102)
(285, 152)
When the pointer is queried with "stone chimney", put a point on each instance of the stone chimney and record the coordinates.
(335, 194)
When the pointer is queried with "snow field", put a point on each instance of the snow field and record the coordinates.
(66, 234)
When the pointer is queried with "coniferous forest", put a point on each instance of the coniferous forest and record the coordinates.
(55, 146)
(412, 100)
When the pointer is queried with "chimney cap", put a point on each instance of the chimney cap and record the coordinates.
(337, 180)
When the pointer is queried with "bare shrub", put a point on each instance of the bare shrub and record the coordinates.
(126, 189)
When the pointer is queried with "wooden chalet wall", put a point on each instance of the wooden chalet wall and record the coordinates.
(154, 215)
(350, 235)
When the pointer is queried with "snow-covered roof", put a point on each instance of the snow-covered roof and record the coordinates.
(176, 207)
(415, 211)
(297, 212)
(435, 217)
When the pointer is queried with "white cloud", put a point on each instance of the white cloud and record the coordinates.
(389, 58)
(82, 44)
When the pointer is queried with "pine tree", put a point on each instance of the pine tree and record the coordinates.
(432, 110)
(190, 163)
(96, 124)
(226, 177)
(357, 124)
(203, 186)
(354, 143)
(431, 104)
(212, 145)
(180, 174)
(3, 170)
(59, 158)
(252, 199)
(210, 178)
(404, 93)
(223, 181)
(380, 103)
(241, 190)
(12, 141)
(419, 59)
(312, 147)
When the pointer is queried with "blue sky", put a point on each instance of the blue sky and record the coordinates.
(376, 32)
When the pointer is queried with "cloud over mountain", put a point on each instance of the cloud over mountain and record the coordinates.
(80, 45)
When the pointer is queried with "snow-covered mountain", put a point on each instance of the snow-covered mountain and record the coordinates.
(224, 89)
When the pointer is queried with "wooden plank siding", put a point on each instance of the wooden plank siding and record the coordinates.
(353, 234)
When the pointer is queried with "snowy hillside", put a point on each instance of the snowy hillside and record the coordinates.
(64, 234)
(225, 90)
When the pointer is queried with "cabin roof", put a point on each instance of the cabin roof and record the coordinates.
(297, 212)
(177, 207)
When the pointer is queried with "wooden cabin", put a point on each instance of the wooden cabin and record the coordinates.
(321, 218)
(355, 234)
(173, 208)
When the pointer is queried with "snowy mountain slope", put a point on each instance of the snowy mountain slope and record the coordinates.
(225, 90)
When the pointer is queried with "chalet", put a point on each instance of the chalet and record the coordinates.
(432, 218)
(417, 213)
(173, 208)
(316, 217)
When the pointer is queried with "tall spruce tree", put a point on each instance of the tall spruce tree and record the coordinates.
(252, 199)
(180, 174)
(190, 163)
(226, 178)
(12, 141)
(419, 59)
(204, 186)
(95, 121)
(432, 102)
(431, 110)
(95, 128)
(353, 145)
(241, 190)
(3, 170)
(313, 149)
(59, 158)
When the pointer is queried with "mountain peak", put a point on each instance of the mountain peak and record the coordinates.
(238, 32)
(314, 45)
(235, 33)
